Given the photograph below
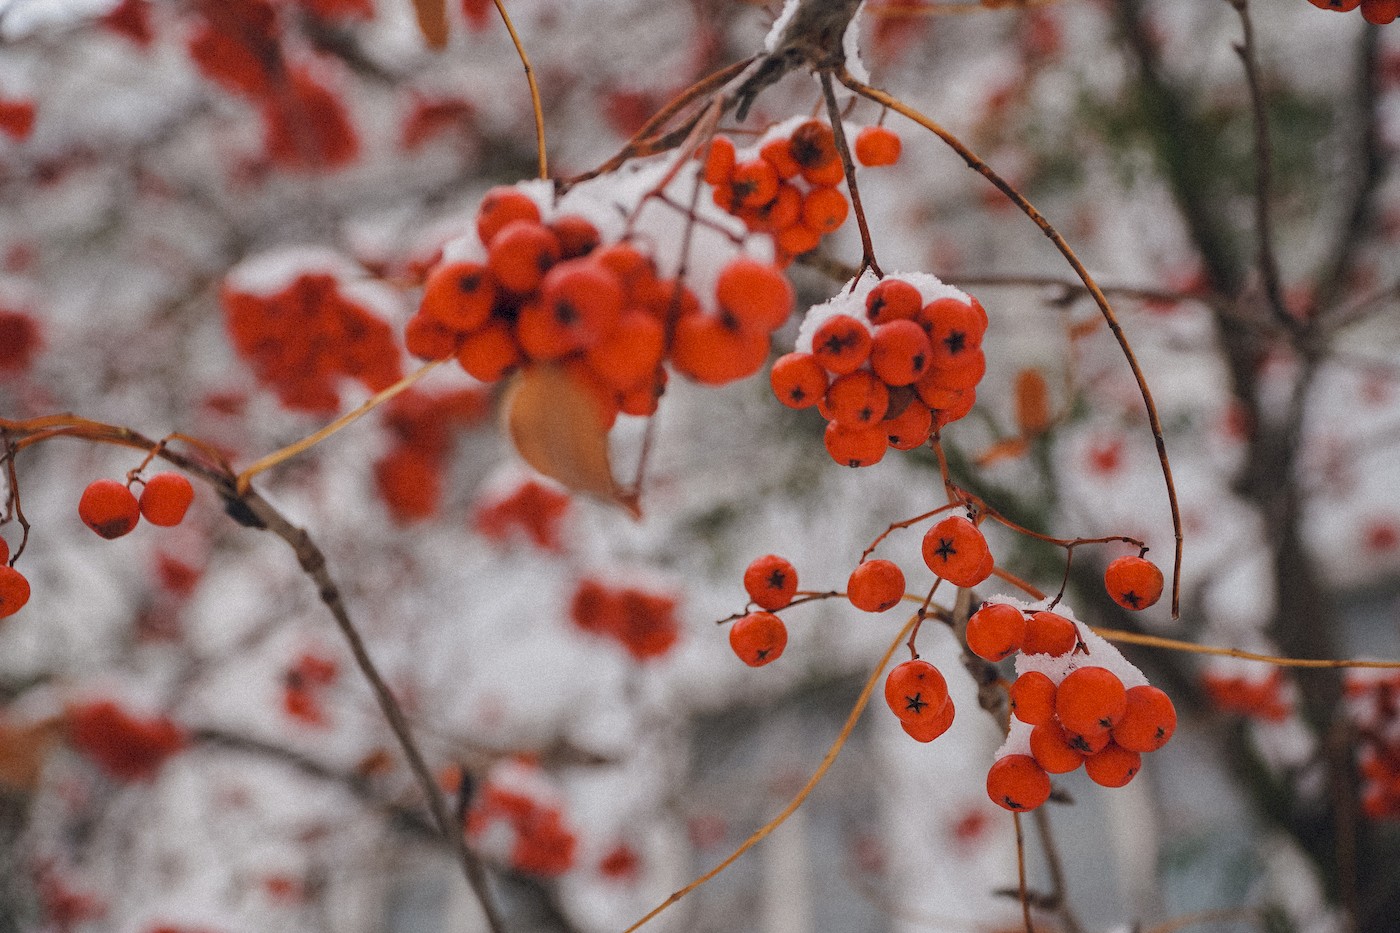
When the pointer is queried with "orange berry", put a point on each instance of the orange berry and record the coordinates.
(488, 354)
(875, 585)
(458, 295)
(165, 499)
(798, 380)
(965, 374)
(577, 236)
(14, 591)
(953, 326)
(755, 183)
(757, 295)
(916, 691)
(642, 401)
(893, 300)
(758, 638)
(1049, 633)
(584, 297)
(876, 145)
(1113, 766)
(1052, 749)
(628, 357)
(719, 161)
(771, 581)
(956, 551)
(501, 206)
(795, 239)
(954, 404)
(1033, 698)
(1017, 783)
(857, 399)
(996, 631)
(828, 176)
(778, 153)
(855, 446)
(909, 428)
(712, 354)
(841, 344)
(631, 266)
(520, 254)
(900, 352)
(824, 210)
(1148, 722)
(1133, 582)
(429, 339)
(813, 145)
(109, 508)
(1089, 742)
(1090, 700)
(933, 728)
(1380, 12)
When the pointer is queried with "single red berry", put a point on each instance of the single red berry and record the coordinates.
(1133, 582)
(1089, 743)
(911, 427)
(109, 508)
(893, 300)
(499, 207)
(875, 585)
(771, 581)
(1113, 766)
(755, 294)
(916, 691)
(996, 631)
(1018, 783)
(857, 399)
(841, 344)
(933, 728)
(459, 295)
(1149, 721)
(758, 638)
(1090, 700)
(1053, 750)
(1033, 698)
(855, 445)
(956, 551)
(798, 380)
(877, 145)
(1050, 633)
(900, 352)
(14, 591)
(165, 499)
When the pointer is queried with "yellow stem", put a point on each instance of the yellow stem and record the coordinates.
(1171, 644)
(534, 88)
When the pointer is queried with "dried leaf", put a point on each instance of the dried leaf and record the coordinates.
(23, 750)
(432, 21)
(1032, 402)
(556, 427)
(1009, 449)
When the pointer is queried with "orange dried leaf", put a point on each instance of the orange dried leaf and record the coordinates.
(1081, 329)
(1032, 402)
(557, 428)
(23, 751)
(432, 21)
(1009, 449)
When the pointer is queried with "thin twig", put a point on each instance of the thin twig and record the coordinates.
(1172, 644)
(838, 130)
(1021, 873)
(534, 88)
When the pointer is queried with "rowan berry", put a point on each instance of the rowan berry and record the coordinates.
(1050, 633)
(584, 297)
(857, 399)
(1133, 582)
(577, 236)
(754, 183)
(643, 400)
(956, 551)
(771, 581)
(1052, 750)
(1341, 6)
(758, 638)
(458, 295)
(996, 631)
(757, 295)
(900, 352)
(488, 354)
(429, 339)
(933, 728)
(965, 374)
(916, 691)
(855, 446)
(720, 160)
(813, 145)
(954, 327)
(712, 354)
(1090, 699)
(14, 590)
(501, 206)
(778, 153)
(827, 176)
(1033, 698)
(876, 146)
(520, 254)
(629, 356)
(1380, 12)
(1089, 743)
(911, 427)
(948, 405)
(1113, 766)
(1017, 783)
(631, 266)
(1148, 722)
(165, 499)
(798, 380)
(893, 300)
(841, 344)
(109, 508)
(824, 210)
(795, 239)
(875, 585)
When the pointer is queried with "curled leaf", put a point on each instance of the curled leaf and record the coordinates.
(432, 21)
(1009, 449)
(557, 428)
(1032, 402)
(23, 751)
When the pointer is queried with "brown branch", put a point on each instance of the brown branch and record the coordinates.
(867, 246)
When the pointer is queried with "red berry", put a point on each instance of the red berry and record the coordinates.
(165, 499)
(1033, 698)
(4, 551)
(909, 428)
(956, 551)
(875, 585)
(757, 295)
(1113, 766)
(1149, 721)
(1133, 582)
(857, 399)
(459, 295)
(758, 638)
(933, 728)
(916, 691)
(1090, 700)
(109, 508)
(1050, 633)
(798, 380)
(1018, 783)
(876, 145)
(771, 581)
(996, 631)
(841, 344)
(14, 591)
(854, 445)
(900, 352)
(1053, 750)
(893, 300)
(499, 207)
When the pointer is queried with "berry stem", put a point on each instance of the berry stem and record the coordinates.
(535, 104)
(867, 245)
(1171, 644)
(1021, 873)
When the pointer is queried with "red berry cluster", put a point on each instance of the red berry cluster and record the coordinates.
(303, 339)
(409, 475)
(110, 508)
(760, 637)
(1379, 12)
(1374, 705)
(516, 819)
(530, 507)
(917, 693)
(552, 292)
(1076, 713)
(303, 686)
(14, 587)
(886, 364)
(126, 747)
(1267, 699)
(643, 622)
(789, 189)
